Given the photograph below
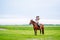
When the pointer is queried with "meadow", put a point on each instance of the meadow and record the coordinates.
(26, 32)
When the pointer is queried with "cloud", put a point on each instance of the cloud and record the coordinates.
(13, 21)
(46, 9)
(50, 21)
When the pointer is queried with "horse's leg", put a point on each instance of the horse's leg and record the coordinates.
(35, 32)
(43, 30)
(40, 31)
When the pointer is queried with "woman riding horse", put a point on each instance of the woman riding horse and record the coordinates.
(35, 26)
(37, 21)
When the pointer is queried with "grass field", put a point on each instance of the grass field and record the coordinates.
(26, 32)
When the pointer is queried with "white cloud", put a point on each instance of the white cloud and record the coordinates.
(49, 21)
(26, 21)
(20, 11)
(13, 21)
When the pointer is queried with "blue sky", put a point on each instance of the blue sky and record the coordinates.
(28, 9)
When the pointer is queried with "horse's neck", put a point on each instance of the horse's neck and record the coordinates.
(34, 25)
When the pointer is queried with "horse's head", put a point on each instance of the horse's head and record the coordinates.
(31, 22)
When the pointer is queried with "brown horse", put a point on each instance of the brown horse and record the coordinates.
(35, 27)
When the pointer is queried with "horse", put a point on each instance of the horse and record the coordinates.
(35, 27)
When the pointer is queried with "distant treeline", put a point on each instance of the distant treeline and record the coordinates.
(52, 24)
(48, 24)
(28, 25)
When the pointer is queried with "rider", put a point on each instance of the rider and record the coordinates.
(37, 20)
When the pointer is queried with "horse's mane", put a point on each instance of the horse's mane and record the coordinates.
(33, 21)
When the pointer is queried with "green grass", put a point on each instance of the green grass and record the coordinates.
(23, 32)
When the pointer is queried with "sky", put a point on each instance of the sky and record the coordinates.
(22, 11)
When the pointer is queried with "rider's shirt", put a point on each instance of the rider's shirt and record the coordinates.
(37, 21)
